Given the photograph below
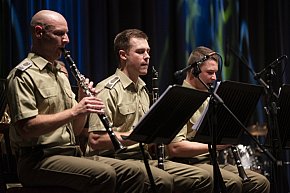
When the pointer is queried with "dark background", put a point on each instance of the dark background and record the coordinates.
(256, 30)
(247, 34)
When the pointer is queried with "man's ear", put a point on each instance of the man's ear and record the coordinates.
(38, 30)
(122, 54)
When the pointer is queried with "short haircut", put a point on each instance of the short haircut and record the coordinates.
(122, 40)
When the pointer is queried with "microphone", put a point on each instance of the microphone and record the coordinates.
(194, 65)
(272, 65)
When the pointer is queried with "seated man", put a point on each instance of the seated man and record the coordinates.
(181, 149)
(45, 119)
(126, 100)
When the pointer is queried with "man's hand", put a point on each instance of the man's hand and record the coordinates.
(89, 105)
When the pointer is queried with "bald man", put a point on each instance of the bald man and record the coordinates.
(45, 119)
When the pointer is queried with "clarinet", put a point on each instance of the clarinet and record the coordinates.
(118, 147)
(159, 147)
(240, 167)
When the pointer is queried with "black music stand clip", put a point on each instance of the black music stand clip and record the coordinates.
(165, 118)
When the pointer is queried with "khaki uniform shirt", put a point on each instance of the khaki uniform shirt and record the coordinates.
(125, 103)
(36, 87)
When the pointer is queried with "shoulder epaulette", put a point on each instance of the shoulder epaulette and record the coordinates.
(24, 65)
(112, 82)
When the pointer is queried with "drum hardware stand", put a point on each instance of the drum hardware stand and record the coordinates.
(274, 135)
(283, 120)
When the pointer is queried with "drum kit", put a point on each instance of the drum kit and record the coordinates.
(251, 156)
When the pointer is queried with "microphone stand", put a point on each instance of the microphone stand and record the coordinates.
(274, 134)
(269, 68)
(271, 111)
(215, 100)
(195, 65)
(219, 185)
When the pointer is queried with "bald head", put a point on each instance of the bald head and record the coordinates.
(49, 34)
(46, 19)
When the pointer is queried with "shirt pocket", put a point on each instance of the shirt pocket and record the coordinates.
(127, 109)
(48, 100)
(127, 116)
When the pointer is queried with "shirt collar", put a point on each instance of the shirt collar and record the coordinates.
(126, 81)
(187, 84)
(41, 63)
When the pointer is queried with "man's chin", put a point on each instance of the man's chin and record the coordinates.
(143, 72)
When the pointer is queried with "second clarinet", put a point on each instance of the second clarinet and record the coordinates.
(240, 167)
(159, 147)
(118, 147)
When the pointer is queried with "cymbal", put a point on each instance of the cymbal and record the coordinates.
(258, 130)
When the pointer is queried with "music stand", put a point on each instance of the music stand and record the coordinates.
(240, 99)
(223, 122)
(168, 115)
(165, 118)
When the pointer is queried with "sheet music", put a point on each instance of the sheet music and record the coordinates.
(199, 121)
